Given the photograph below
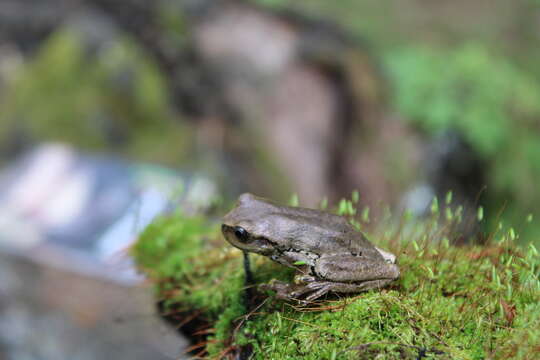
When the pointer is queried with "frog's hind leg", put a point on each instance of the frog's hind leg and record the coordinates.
(319, 288)
(289, 291)
(351, 269)
(327, 286)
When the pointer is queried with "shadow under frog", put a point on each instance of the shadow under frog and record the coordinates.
(329, 254)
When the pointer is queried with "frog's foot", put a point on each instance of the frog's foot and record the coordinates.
(317, 289)
(304, 279)
(323, 287)
(287, 291)
(294, 291)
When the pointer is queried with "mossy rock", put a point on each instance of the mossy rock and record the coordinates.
(466, 302)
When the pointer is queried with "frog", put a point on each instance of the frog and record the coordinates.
(328, 253)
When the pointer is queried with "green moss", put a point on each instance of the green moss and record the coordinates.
(450, 303)
(490, 101)
(114, 99)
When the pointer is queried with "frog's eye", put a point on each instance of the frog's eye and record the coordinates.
(241, 234)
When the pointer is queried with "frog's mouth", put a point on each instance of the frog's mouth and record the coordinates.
(243, 240)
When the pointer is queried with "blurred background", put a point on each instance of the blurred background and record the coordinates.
(112, 112)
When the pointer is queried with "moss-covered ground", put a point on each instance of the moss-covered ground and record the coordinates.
(451, 302)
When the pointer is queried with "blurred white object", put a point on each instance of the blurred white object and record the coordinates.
(418, 199)
(87, 210)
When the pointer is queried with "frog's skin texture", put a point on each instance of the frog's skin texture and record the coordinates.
(328, 252)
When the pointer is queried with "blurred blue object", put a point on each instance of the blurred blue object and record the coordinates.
(67, 221)
(89, 207)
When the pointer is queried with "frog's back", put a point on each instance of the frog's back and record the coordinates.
(310, 229)
(330, 232)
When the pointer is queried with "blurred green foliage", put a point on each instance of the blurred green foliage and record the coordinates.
(112, 97)
(483, 96)
(491, 102)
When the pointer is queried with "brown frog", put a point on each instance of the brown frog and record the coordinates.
(328, 252)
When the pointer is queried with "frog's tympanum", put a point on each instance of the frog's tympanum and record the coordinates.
(328, 252)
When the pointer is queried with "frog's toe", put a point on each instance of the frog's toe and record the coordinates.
(317, 294)
(295, 294)
(320, 288)
(303, 279)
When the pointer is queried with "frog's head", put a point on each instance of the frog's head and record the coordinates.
(246, 226)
